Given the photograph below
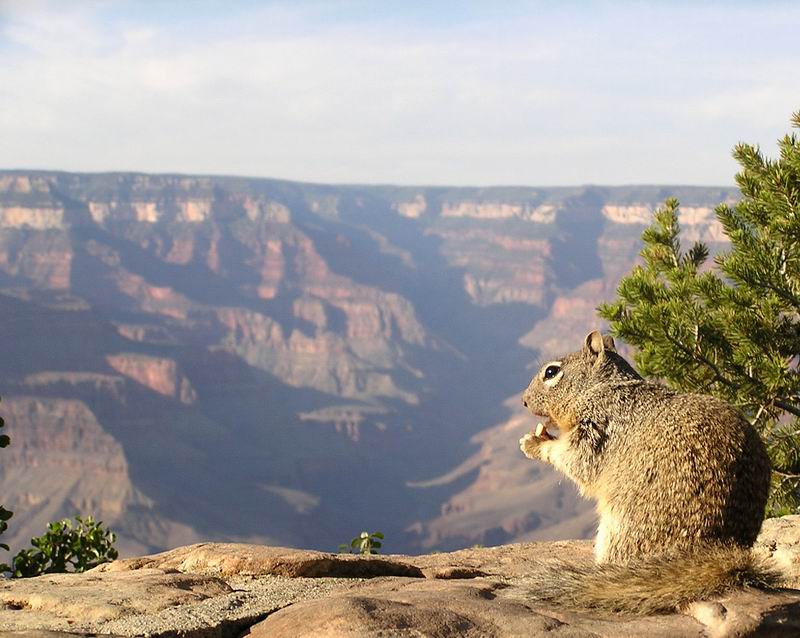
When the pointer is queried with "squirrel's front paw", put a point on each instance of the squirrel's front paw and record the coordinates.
(530, 444)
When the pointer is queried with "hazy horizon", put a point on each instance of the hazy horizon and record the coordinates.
(28, 170)
(441, 94)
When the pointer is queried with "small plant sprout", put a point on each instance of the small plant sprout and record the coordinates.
(365, 543)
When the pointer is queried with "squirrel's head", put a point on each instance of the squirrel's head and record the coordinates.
(560, 382)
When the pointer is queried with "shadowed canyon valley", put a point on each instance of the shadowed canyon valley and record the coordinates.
(221, 358)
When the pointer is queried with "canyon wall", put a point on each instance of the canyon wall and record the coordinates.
(257, 360)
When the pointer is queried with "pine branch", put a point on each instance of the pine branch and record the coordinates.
(788, 407)
(785, 475)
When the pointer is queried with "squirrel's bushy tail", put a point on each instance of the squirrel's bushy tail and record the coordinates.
(656, 584)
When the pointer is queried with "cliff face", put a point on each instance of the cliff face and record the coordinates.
(62, 461)
(260, 360)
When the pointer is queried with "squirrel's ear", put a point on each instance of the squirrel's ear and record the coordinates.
(595, 343)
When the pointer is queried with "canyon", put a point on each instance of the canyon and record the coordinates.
(197, 358)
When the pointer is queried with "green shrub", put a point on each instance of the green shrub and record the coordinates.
(65, 548)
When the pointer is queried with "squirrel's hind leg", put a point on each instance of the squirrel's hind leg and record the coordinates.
(607, 535)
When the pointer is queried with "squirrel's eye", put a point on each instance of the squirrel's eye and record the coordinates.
(551, 371)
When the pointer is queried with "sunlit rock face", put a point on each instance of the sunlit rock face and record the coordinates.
(267, 361)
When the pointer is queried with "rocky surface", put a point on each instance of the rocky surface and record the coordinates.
(780, 540)
(284, 363)
(220, 590)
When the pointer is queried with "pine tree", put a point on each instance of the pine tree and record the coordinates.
(731, 328)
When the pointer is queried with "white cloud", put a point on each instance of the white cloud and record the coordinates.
(588, 93)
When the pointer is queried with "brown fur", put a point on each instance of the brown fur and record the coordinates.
(681, 483)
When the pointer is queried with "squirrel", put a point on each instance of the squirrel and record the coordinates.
(681, 483)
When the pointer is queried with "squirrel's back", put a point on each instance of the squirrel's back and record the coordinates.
(682, 469)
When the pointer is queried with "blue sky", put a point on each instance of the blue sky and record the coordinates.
(461, 93)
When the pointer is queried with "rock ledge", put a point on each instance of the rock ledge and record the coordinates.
(221, 590)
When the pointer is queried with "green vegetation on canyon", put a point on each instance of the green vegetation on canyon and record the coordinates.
(734, 330)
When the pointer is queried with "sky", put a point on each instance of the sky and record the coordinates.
(414, 92)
